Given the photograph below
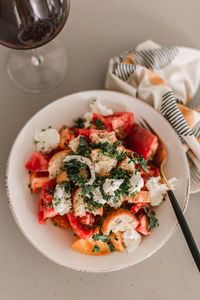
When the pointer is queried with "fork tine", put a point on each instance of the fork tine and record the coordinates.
(141, 122)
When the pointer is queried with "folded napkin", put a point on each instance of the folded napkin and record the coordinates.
(165, 78)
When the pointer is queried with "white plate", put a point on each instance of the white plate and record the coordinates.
(56, 243)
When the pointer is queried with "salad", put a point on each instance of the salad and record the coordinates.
(98, 178)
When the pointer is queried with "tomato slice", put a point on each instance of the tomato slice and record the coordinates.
(138, 206)
(153, 172)
(87, 220)
(37, 163)
(66, 135)
(142, 141)
(103, 121)
(87, 132)
(121, 123)
(37, 180)
(143, 225)
(79, 226)
(61, 221)
(45, 207)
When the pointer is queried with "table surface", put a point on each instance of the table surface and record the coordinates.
(96, 31)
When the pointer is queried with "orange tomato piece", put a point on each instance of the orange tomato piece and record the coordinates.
(66, 135)
(86, 247)
(61, 221)
(37, 180)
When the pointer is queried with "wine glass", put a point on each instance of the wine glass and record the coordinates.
(29, 24)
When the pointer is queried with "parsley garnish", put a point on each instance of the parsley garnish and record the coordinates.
(83, 148)
(121, 133)
(99, 124)
(73, 171)
(107, 148)
(79, 123)
(106, 197)
(66, 185)
(111, 247)
(118, 173)
(96, 249)
(101, 237)
(152, 219)
(139, 159)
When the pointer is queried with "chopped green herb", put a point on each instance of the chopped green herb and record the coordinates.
(79, 123)
(152, 219)
(83, 148)
(96, 249)
(139, 159)
(106, 197)
(101, 237)
(99, 124)
(43, 129)
(66, 185)
(111, 247)
(73, 171)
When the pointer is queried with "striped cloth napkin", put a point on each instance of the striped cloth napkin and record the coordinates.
(166, 78)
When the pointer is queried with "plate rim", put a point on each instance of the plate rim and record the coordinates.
(90, 93)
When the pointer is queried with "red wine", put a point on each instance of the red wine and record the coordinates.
(27, 24)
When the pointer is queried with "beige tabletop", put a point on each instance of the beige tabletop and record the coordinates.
(95, 31)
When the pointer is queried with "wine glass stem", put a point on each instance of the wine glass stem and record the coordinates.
(36, 58)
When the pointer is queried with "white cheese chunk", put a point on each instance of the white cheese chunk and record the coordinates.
(46, 140)
(111, 185)
(97, 196)
(131, 239)
(62, 200)
(158, 190)
(87, 117)
(96, 107)
(136, 182)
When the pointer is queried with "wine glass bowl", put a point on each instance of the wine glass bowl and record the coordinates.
(29, 24)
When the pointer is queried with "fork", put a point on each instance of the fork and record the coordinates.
(159, 161)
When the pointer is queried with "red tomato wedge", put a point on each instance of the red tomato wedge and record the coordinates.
(103, 121)
(87, 220)
(143, 225)
(61, 221)
(82, 230)
(66, 135)
(37, 180)
(142, 141)
(37, 163)
(87, 132)
(45, 208)
(153, 172)
(121, 123)
(138, 206)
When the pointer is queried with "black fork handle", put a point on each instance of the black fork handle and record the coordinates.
(185, 229)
